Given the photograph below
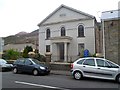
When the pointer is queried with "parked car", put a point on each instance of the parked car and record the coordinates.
(4, 66)
(95, 68)
(30, 65)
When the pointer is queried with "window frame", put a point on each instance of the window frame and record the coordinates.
(48, 33)
(47, 48)
(26, 62)
(82, 61)
(89, 64)
(63, 31)
(81, 30)
(21, 62)
(111, 64)
(105, 62)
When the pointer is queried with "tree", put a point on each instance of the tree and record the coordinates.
(27, 49)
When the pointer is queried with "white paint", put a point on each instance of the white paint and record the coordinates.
(112, 14)
(75, 19)
(38, 85)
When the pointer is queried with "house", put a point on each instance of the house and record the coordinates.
(1, 46)
(111, 24)
(66, 32)
(18, 47)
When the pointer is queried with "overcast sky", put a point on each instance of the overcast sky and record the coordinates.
(24, 15)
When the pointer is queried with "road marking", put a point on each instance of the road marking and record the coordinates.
(38, 85)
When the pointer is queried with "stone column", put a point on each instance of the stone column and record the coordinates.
(48, 59)
(65, 51)
(48, 56)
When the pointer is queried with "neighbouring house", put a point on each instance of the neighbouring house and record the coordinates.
(18, 47)
(1, 46)
(111, 31)
(66, 32)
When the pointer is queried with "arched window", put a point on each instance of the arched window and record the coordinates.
(80, 31)
(47, 33)
(63, 31)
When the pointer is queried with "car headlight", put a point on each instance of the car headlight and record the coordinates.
(43, 68)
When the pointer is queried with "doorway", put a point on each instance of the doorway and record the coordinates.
(61, 49)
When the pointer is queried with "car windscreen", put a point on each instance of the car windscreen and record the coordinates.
(2, 61)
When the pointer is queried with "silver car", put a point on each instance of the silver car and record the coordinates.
(95, 68)
(4, 66)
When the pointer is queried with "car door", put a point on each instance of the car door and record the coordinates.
(104, 69)
(28, 67)
(20, 64)
(89, 67)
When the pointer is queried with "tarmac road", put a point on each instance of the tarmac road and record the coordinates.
(53, 81)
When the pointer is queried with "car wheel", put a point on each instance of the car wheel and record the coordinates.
(118, 78)
(35, 72)
(77, 75)
(15, 70)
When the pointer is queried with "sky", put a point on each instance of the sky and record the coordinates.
(24, 15)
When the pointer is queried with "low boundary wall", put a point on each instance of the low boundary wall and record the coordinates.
(53, 65)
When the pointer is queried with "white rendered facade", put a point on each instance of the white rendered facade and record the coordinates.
(65, 48)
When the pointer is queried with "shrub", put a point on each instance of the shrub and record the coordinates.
(39, 57)
(11, 55)
(94, 55)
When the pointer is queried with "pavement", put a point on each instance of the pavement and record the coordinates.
(60, 72)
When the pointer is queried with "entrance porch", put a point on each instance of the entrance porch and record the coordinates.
(60, 47)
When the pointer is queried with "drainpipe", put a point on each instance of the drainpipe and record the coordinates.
(103, 27)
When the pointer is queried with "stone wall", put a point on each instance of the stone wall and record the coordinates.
(53, 65)
(111, 40)
(99, 39)
(119, 41)
(60, 66)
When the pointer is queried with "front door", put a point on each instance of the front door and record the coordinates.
(61, 49)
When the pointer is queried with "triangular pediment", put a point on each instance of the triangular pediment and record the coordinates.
(64, 13)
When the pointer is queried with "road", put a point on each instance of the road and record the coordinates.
(59, 82)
